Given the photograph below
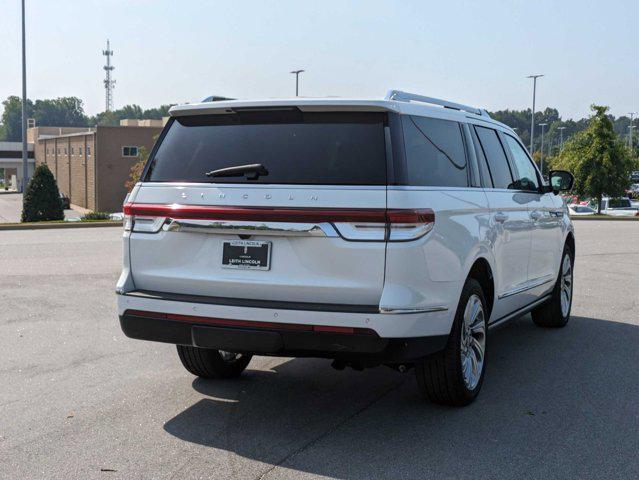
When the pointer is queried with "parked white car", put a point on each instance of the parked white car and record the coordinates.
(369, 232)
(576, 210)
(618, 207)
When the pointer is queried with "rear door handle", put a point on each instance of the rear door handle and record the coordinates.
(501, 217)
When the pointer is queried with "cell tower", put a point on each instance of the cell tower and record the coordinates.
(109, 84)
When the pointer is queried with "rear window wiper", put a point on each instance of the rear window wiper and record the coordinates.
(251, 171)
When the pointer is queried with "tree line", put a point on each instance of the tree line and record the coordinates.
(69, 112)
(65, 112)
(520, 121)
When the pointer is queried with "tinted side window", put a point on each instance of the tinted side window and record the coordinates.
(525, 172)
(481, 159)
(496, 157)
(435, 154)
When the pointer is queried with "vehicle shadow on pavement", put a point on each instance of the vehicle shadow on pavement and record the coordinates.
(555, 404)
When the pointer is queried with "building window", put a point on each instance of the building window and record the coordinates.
(72, 151)
(65, 150)
(88, 151)
(129, 151)
(79, 150)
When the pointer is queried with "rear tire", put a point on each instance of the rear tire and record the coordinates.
(556, 312)
(210, 363)
(454, 376)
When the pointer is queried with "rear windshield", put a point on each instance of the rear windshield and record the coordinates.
(294, 147)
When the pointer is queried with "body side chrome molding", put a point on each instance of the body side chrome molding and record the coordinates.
(404, 311)
(535, 282)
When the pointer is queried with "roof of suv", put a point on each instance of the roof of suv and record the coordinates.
(444, 110)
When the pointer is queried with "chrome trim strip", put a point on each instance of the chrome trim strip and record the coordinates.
(284, 229)
(535, 282)
(404, 311)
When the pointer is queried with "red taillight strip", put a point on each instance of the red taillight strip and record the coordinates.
(227, 322)
(281, 214)
(410, 215)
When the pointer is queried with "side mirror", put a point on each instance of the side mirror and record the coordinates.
(561, 180)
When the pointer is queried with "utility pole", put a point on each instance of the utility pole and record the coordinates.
(561, 134)
(25, 154)
(541, 157)
(297, 81)
(630, 127)
(532, 117)
(109, 84)
(632, 116)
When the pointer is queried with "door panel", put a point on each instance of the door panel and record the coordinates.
(511, 228)
(545, 248)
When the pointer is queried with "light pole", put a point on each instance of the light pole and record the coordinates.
(297, 81)
(561, 135)
(630, 127)
(632, 116)
(25, 164)
(541, 156)
(532, 117)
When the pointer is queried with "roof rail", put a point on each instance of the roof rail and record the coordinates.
(412, 97)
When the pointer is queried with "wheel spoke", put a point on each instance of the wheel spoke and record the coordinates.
(478, 349)
(473, 338)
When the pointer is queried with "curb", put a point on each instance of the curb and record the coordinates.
(48, 225)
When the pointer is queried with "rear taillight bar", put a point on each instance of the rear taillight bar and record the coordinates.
(270, 214)
(376, 224)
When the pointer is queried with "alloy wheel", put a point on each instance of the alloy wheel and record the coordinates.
(473, 342)
(566, 285)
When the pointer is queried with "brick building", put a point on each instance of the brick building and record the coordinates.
(91, 165)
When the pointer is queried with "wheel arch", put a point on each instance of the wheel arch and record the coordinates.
(570, 241)
(483, 273)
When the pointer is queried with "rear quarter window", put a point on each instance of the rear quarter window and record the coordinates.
(435, 153)
(497, 160)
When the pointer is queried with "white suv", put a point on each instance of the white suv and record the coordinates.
(392, 232)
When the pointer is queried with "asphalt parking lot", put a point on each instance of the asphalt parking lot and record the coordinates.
(11, 208)
(80, 400)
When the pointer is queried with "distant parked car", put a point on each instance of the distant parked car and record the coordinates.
(65, 201)
(575, 210)
(633, 191)
(618, 207)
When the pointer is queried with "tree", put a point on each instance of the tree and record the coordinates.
(12, 117)
(598, 159)
(41, 197)
(60, 112)
(113, 118)
(57, 112)
(137, 168)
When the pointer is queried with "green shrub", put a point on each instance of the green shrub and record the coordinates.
(41, 197)
(95, 216)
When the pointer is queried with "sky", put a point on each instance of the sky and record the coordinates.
(473, 52)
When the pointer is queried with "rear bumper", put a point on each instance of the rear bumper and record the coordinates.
(279, 340)
(402, 324)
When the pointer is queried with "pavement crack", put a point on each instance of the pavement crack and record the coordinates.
(332, 429)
